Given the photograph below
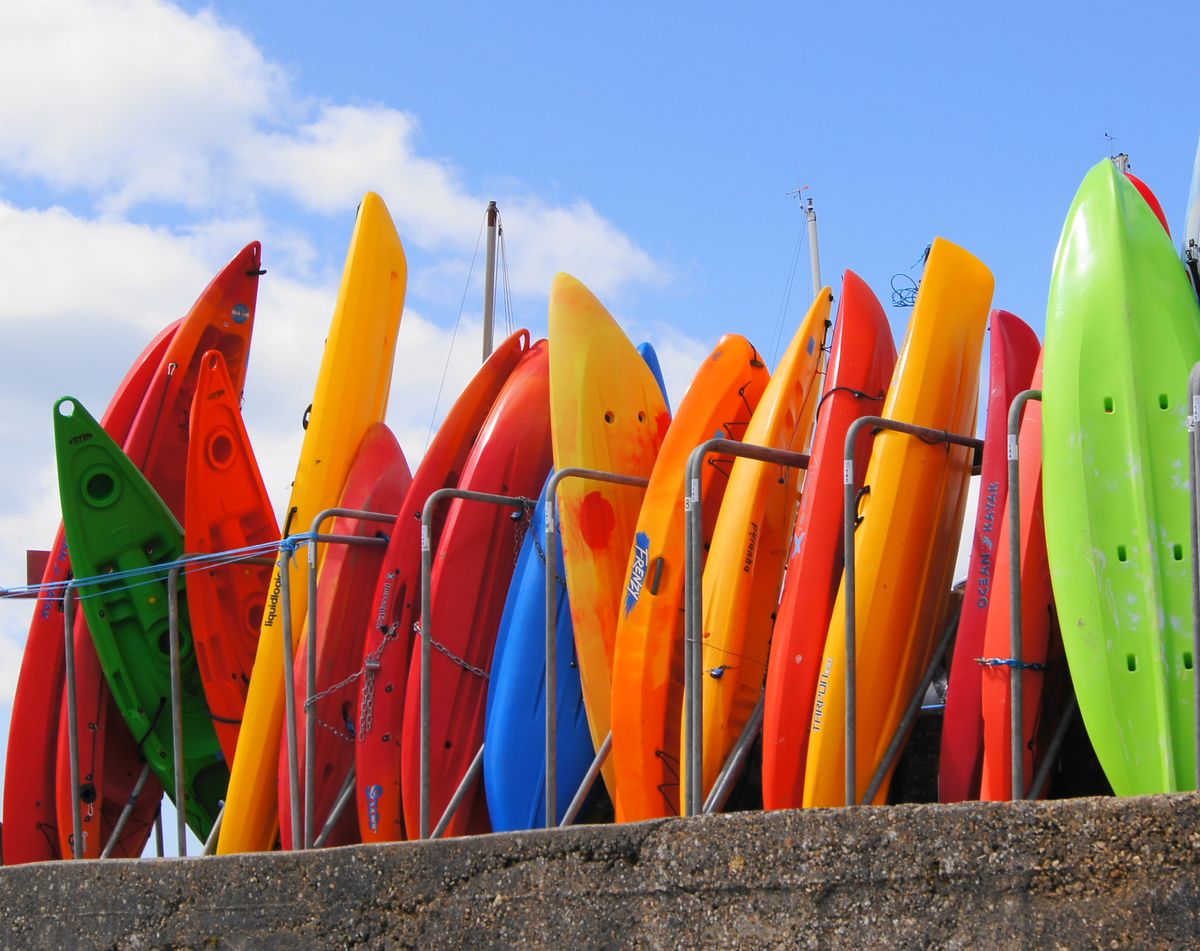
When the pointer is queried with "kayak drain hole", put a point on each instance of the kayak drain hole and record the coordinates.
(1108, 404)
(100, 487)
(1187, 660)
(1177, 551)
(609, 417)
(1131, 662)
(1122, 554)
(1162, 400)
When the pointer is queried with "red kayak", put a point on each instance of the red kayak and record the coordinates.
(1014, 352)
(227, 508)
(222, 319)
(30, 817)
(1151, 200)
(377, 482)
(862, 358)
(473, 567)
(1037, 621)
(396, 604)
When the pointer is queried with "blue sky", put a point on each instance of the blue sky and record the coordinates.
(648, 148)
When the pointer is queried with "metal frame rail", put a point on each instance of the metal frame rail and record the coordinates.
(427, 511)
(850, 512)
(693, 601)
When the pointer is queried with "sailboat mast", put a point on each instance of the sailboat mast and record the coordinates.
(814, 254)
(489, 280)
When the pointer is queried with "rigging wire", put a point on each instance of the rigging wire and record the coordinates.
(509, 319)
(787, 295)
(454, 335)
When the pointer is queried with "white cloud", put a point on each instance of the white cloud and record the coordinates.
(135, 99)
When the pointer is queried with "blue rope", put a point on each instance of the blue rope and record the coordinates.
(1007, 662)
(155, 573)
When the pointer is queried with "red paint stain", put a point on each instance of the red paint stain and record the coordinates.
(596, 520)
(663, 420)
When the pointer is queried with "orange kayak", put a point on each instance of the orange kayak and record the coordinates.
(910, 519)
(648, 660)
(750, 544)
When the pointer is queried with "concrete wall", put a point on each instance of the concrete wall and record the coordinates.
(1072, 872)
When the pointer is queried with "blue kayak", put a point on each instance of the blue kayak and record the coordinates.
(514, 769)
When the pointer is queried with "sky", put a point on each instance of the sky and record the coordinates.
(659, 152)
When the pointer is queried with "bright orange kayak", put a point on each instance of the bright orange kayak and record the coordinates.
(861, 362)
(227, 508)
(910, 518)
(750, 544)
(648, 661)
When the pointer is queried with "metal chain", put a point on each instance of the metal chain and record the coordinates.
(454, 658)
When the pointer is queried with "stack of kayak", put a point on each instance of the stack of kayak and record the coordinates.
(401, 700)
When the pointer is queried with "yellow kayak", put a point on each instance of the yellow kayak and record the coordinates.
(351, 394)
(750, 545)
(607, 413)
(911, 517)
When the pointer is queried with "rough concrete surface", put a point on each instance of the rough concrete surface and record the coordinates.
(1082, 872)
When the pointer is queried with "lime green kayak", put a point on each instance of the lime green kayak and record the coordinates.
(115, 522)
(1122, 333)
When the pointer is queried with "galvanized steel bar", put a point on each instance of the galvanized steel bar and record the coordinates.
(431, 504)
(589, 780)
(693, 606)
(72, 719)
(210, 844)
(339, 806)
(1042, 776)
(123, 818)
(723, 786)
(551, 552)
(460, 794)
(177, 711)
(310, 719)
(1016, 679)
(910, 713)
(289, 696)
(159, 850)
(849, 579)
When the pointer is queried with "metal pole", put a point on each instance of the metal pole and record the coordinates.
(1042, 775)
(289, 695)
(850, 511)
(1016, 684)
(177, 711)
(159, 849)
(72, 720)
(431, 504)
(310, 718)
(693, 600)
(123, 818)
(210, 844)
(551, 688)
(814, 254)
(460, 793)
(339, 806)
(1194, 445)
(723, 787)
(489, 280)
(910, 713)
(589, 780)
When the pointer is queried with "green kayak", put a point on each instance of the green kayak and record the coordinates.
(115, 522)
(1122, 334)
